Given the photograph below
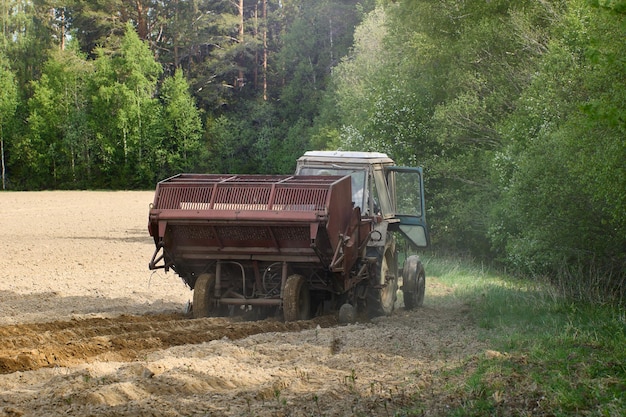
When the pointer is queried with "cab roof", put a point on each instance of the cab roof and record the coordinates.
(346, 156)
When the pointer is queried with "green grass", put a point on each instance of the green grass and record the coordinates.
(550, 356)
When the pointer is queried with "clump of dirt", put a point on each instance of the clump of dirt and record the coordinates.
(86, 329)
(26, 347)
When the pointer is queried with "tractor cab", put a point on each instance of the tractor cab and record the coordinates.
(379, 188)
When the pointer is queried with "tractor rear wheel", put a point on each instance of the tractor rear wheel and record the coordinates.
(204, 296)
(382, 295)
(296, 299)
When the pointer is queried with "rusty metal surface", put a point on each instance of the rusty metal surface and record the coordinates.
(241, 192)
(198, 217)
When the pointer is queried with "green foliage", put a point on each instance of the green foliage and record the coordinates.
(8, 105)
(248, 142)
(99, 123)
(54, 149)
(426, 83)
(544, 354)
(182, 149)
(319, 35)
(617, 5)
(258, 68)
(125, 113)
(515, 109)
(356, 76)
(98, 23)
(27, 36)
(561, 172)
(8, 92)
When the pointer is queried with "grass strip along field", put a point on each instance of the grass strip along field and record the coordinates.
(548, 356)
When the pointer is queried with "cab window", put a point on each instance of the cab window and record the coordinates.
(381, 196)
(357, 178)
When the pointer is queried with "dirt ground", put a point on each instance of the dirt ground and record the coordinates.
(86, 329)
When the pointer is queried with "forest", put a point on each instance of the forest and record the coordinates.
(515, 109)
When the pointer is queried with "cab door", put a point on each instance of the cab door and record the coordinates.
(406, 190)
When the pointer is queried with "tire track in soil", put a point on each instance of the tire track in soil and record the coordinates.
(25, 347)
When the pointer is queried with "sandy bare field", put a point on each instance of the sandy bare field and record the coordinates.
(87, 330)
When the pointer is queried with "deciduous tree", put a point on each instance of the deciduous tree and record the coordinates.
(181, 149)
(8, 105)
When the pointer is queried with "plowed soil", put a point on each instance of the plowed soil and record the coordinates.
(87, 330)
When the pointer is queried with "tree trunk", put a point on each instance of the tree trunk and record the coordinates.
(62, 30)
(264, 49)
(256, 50)
(142, 24)
(240, 80)
(4, 186)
